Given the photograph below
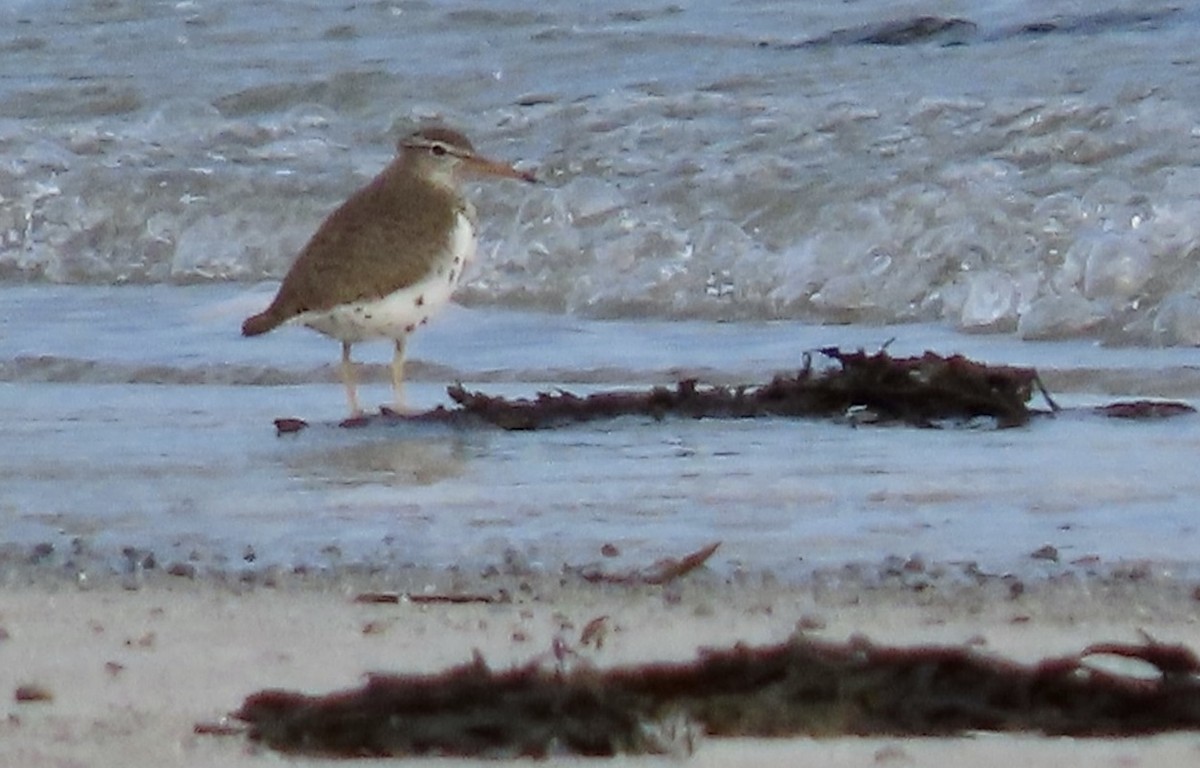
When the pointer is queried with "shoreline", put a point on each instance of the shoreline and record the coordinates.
(79, 564)
(131, 670)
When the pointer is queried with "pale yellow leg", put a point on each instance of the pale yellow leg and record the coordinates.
(398, 376)
(348, 381)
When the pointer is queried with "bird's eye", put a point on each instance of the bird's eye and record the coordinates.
(438, 150)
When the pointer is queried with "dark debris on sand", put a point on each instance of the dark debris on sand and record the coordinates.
(1145, 410)
(880, 388)
(883, 389)
(801, 688)
(861, 388)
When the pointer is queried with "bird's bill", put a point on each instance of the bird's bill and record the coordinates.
(481, 166)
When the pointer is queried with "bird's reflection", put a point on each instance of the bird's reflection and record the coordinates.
(384, 462)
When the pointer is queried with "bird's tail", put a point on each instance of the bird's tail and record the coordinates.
(260, 323)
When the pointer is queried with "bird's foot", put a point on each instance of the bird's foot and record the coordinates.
(356, 418)
(398, 411)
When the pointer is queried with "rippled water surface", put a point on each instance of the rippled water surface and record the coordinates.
(1007, 166)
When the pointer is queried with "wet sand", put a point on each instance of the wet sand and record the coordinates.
(132, 667)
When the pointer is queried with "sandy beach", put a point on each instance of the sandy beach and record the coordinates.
(130, 669)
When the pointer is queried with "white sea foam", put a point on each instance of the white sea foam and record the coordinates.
(699, 162)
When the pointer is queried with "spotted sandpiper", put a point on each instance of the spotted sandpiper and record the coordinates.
(381, 264)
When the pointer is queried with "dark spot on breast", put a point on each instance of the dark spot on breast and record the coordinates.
(452, 274)
(421, 300)
(424, 320)
(457, 260)
(410, 328)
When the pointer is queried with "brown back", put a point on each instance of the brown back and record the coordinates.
(387, 236)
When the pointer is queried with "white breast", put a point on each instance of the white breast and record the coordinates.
(398, 314)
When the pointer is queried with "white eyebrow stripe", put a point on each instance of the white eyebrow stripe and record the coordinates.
(429, 144)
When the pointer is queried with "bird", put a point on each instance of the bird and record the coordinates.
(390, 256)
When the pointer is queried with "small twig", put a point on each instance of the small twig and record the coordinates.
(670, 569)
(662, 572)
(1054, 407)
(393, 598)
(460, 599)
(220, 728)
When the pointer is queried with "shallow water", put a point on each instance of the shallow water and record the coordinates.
(167, 447)
(726, 187)
(196, 473)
